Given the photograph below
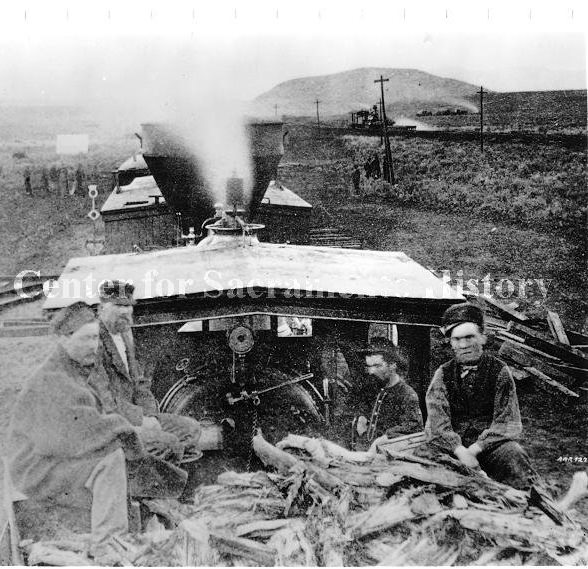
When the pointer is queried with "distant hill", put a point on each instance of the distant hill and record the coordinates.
(342, 93)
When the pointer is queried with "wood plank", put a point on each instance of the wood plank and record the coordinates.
(533, 530)
(260, 554)
(557, 328)
(503, 309)
(539, 498)
(576, 338)
(526, 358)
(543, 379)
(546, 344)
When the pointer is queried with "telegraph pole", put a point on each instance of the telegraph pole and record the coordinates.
(318, 120)
(276, 108)
(388, 169)
(481, 93)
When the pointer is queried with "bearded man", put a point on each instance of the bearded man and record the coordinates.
(124, 388)
(390, 403)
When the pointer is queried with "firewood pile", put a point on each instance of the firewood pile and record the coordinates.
(539, 349)
(320, 504)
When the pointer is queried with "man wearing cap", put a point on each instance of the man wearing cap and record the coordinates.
(123, 387)
(472, 405)
(394, 405)
(62, 448)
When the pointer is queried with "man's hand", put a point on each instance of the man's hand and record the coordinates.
(150, 424)
(466, 457)
(475, 449)
(362, 425)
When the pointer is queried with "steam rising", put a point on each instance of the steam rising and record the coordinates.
(187, 87)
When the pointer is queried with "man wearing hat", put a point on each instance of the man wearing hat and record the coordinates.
(472, 405)
(393, 407)
(123, 387)
(62, 449)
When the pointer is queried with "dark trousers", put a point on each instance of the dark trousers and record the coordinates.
(508, 463)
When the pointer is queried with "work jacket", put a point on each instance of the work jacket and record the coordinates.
(59, 432)
(121, 390)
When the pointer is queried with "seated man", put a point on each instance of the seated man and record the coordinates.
(60, 442)
(125, 390)
(472, 405)
(394, 405)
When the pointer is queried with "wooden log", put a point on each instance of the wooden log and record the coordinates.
(196, 545)
(403, 443)
(502, 309)
(310, 445)
(258, 553)
(284, 463)
(170, 509)
(556, 327)
(540, 499)
(380, 518)
(49, 554)
(532, 530)
(549, 384)
(292, 548)
(429, 475)
(264, 528)
(459, 502)
(337, 451)
(258, 479)
(333, 540)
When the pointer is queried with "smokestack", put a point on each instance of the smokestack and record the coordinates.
(179, 173)
(267, 148)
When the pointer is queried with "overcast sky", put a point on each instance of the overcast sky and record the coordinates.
(69, 52)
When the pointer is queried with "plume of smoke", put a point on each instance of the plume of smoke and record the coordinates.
(463, 103)
(188, 88)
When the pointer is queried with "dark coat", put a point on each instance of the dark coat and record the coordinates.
(125, 392)
(481, 407)
(58, 431)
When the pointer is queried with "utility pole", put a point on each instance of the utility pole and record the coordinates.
(276, 108)
(388, 169)
(318, 120)
(481, 93)
(382, 131)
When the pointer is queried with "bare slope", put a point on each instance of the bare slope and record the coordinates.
(341, 93)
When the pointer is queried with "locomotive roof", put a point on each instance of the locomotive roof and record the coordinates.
(135, 195)
(279, 195)
(189, 272)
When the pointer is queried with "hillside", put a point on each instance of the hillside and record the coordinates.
(341, 93)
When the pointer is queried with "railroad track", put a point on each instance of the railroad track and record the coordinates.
(13, 294)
